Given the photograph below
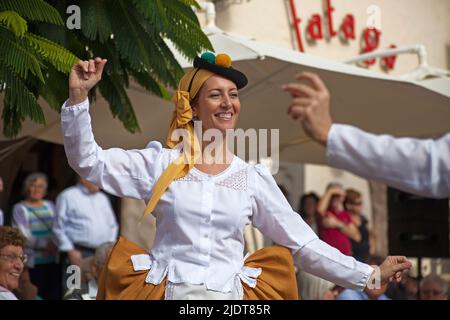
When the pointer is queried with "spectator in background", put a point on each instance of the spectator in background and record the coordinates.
(335, 225)
(2, 218)
(407, 289)
(363, 248)
(411, 285)
(84, 220)
(308, 209)
(88, 290)
(433, 287)
(311, 287)
(34, 217)
(12, 261)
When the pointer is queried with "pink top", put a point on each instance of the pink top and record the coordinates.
(5, 294)
(334, 237)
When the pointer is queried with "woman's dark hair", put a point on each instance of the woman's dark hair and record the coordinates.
(301, 207)
(351, 195)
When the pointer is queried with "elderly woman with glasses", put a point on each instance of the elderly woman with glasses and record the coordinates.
(12, 261)
(34, 217)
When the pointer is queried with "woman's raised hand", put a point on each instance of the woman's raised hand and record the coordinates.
(83, 77)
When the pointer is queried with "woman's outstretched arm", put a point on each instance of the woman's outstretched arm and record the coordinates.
(129, 173)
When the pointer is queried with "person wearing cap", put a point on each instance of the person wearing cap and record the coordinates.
(202, 207)
(419, 166)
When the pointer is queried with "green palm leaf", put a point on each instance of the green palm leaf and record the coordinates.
(14, 22)
(112, 89)
(16, 54)
(146, 81)
(56, 93)
(34, 44)
(34, 10)
(95, 22)
(19, 103)
(56, 55)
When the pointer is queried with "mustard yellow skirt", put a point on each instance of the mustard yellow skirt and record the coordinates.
(118, 280)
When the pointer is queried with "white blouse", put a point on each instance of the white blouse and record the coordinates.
(201, 218)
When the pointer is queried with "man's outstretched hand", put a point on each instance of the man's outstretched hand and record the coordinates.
(390, 270)
(311, 105)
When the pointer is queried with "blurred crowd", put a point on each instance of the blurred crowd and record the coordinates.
(56, 251)
(338, 219)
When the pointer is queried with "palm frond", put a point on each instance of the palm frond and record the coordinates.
(56, 55)
(34, 10)
(163, 64)
(113, 91)
(19, 103)
(146, 81)
(185, 31)
(15, 53)
(56, 90)
(152, 11)
(14, 22)
(129, 37)
(34, 44)
(94, 20)
(191, 3)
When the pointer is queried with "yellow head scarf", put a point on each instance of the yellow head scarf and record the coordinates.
(188, 88)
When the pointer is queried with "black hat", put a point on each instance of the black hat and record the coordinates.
(221, 65)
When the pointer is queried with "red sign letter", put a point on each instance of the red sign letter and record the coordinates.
(314, 28)
(371, 38)
(348, 27)
(389, 62)
(330, 9)
(296, 22)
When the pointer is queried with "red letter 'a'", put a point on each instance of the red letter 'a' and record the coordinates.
(348, 27)
(314, 28)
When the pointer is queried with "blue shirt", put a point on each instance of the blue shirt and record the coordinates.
(349, 294)
(84, 218)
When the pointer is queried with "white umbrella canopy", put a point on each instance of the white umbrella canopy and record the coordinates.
(372, 101)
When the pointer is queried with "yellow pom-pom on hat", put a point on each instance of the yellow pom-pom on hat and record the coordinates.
(223, 60)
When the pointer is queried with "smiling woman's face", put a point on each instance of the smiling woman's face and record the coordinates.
(36, 191)
(11, 266)
(217, 104)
